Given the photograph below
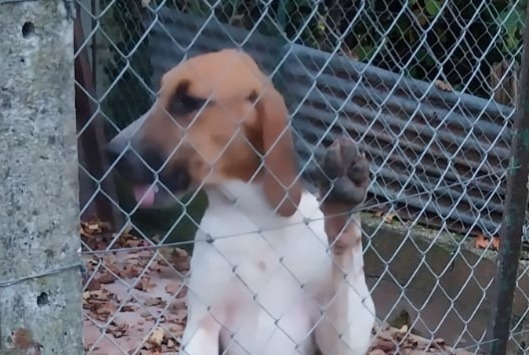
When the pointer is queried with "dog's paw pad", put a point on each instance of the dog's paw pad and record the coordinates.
(345, 173)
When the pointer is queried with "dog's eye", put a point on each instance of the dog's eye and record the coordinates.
(184, 104)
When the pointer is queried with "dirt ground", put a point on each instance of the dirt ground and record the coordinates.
(134, 301)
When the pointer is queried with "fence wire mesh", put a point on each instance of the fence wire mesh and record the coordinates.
(428, 89)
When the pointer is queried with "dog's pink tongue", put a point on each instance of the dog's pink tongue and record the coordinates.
(145, 192)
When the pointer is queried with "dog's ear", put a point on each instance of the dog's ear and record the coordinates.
(280, 176)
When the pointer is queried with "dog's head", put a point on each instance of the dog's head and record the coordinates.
(217, 117)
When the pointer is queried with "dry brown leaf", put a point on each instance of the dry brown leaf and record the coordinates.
(496, 242)
(155, 301)
(180, 260)
(443, 85)
(440, 341)
(388, 218)
(133, 243)
(386, 345)
(93, 227)
(118, 330)
(404, 328)
(171, 344)
(96, 294)
(106, 278)
(156, 337)
(172, 288)
(94, 285)
(128, 308)
(482, 242)
(144, 284)
(106, 308)
(379, 213)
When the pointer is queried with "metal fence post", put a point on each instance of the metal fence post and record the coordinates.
(40, 281)
(514, 212)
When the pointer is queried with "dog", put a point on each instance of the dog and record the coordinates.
(276, 268)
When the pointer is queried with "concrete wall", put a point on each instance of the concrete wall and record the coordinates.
(442, 282)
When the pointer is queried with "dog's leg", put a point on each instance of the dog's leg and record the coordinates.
(348, 317)
(202, 333)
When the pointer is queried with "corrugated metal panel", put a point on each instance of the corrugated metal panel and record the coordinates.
(434, 151)
(175, 36)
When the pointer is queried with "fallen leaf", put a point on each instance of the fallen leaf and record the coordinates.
(128, 308)
(482, 242)
(106, 278)
(171, 344)
(443, 85)
(144, 283)
(404, 328)
(379, 213)
(388, 218)
(93, 227)
(180, 260)
(440, 341)
(386, 345)
(94, 285)
(118, 330)
(106, 309)
(156, 337)
(172, 288)
(155, 301)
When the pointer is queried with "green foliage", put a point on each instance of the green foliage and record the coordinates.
(424, 37)
(125, 61)
(512, 20)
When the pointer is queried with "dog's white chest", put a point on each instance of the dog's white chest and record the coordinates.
(263, 272)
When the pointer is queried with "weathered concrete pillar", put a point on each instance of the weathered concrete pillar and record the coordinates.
(40, 282)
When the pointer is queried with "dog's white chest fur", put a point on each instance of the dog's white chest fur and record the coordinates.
(263, 276)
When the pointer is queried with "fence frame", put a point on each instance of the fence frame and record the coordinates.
(514, 212)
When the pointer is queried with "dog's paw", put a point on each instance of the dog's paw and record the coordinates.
(345, 176)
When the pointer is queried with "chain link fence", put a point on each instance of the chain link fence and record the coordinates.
(427, 87)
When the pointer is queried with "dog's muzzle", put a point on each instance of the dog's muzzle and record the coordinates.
(142, 170)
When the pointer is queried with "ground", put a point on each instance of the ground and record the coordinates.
(134, 300)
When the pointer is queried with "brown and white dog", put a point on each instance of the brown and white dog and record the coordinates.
(276, 269)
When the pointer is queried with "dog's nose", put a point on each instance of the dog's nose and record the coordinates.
(136, 165)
